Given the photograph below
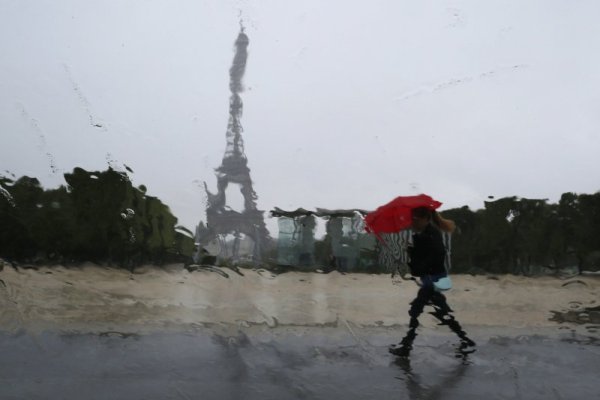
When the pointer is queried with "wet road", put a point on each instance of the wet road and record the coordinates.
(294, 363)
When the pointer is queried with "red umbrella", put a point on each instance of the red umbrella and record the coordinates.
(396, 215)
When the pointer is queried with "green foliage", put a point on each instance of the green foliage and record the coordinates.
(102, 217)
(17, 216)
(524, 236)
(98, 217)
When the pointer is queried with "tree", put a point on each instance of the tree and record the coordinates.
(98, 217)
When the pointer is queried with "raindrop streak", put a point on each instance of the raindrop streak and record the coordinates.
(43, 145)
(128, 214)
(84, 101)
(114, 164)
(436, 87)
(131, 236)
(6, 194)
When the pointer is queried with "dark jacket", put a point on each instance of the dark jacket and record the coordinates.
(428, 253)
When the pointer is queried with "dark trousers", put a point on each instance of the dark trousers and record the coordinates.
(427, 295)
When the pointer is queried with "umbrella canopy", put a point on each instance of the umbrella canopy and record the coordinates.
(396, 215)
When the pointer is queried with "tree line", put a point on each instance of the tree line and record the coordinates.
(510, 235)
(528, 236)
(98, 216)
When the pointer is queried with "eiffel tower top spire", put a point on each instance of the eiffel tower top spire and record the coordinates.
(235, 144)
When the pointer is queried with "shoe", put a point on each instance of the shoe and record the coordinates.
(400, 351)
(467, 346)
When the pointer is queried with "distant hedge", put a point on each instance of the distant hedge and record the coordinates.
(523, 236)
(102, 217)
(98, 216)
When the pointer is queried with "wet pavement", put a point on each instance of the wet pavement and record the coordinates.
(345, 362)
(99, 333)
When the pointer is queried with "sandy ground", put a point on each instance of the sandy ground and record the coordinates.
(93, 298)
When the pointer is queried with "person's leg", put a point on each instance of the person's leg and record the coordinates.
(442, 313)
(416, 308)
(439, 300)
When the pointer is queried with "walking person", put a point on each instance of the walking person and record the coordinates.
(427, 262)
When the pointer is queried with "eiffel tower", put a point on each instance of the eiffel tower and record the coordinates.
(221, 219)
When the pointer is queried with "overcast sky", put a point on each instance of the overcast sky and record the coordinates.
(347, 103)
